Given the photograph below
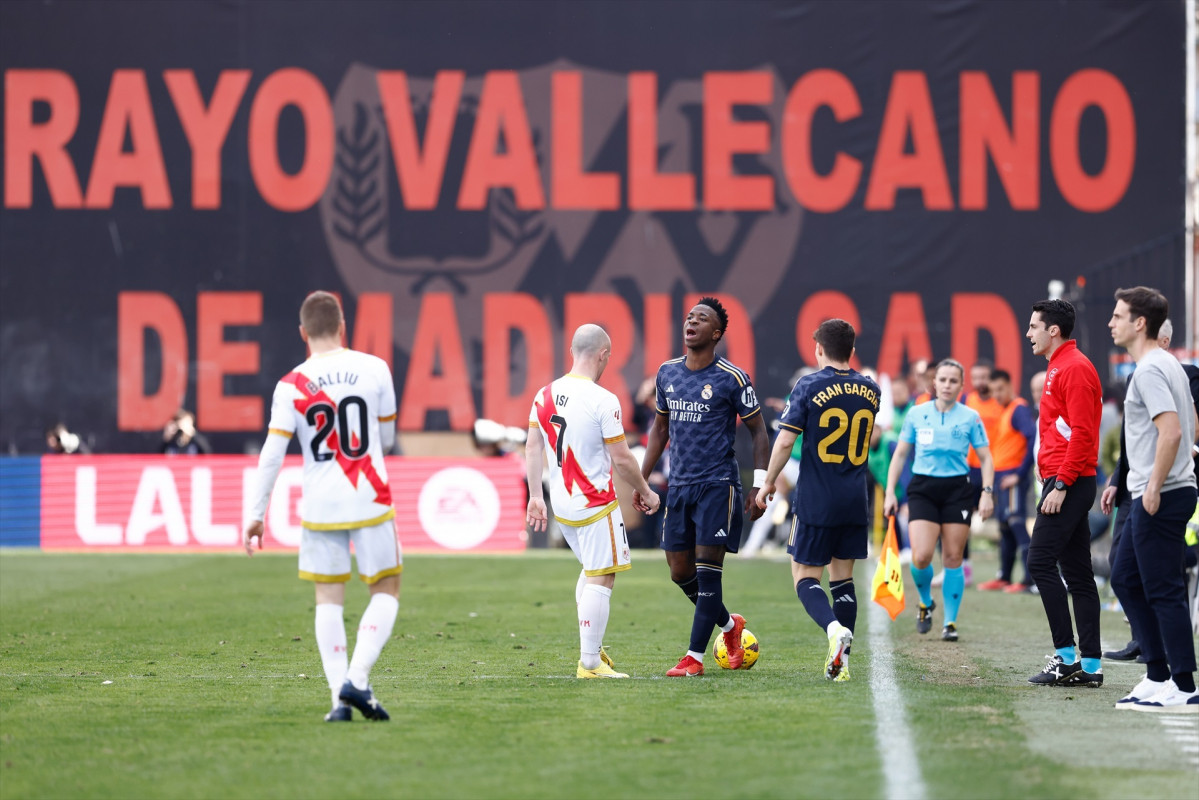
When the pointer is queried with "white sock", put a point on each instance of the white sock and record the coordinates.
(373, 633)
(593, 619)
(582, 584)
(331, 642)
(697, 656)
(728, 626)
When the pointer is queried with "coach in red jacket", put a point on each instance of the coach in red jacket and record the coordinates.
(1069, 430)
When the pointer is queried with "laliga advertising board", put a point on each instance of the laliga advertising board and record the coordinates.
(155, 502)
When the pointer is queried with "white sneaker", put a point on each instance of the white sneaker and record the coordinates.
(939, 578)
(1142, 691)
(1170, 700)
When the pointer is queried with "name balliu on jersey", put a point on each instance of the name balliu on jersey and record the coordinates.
(577, 420)
(333, 404)
(703, 406)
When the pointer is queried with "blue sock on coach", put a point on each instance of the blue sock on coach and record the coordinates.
(1068, 654)
(1092, 665)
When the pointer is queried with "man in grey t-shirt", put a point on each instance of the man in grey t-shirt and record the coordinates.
(1147, 573)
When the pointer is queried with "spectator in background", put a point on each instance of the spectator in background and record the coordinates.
(180, 437)
(62, 441)
(1015, 430)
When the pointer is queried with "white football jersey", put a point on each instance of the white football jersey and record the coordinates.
(577, 419)
(333, 404)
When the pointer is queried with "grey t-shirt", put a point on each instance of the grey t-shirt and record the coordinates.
(1158, 385)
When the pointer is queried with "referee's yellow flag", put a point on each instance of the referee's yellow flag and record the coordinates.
(887, 587)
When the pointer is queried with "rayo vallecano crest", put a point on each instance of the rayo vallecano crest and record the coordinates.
(472, 232)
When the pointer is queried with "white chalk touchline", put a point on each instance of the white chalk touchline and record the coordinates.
(901, 768)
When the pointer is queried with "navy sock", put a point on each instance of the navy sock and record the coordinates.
(845, 602)
(1185, 681)
(709, 606)
(815, 602)
(1157, 670)
(690, 587)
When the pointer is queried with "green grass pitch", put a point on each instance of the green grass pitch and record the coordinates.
(196, 676)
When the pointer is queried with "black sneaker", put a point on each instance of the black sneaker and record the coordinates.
(363, 700)
(1056, 672)
(1129, 653)
(340, 714)
(924, 618)
(1084, 678)
(949, 633)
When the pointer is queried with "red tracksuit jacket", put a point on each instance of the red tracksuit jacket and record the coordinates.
(1069, 420)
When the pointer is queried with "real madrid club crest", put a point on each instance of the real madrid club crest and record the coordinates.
(707, 392)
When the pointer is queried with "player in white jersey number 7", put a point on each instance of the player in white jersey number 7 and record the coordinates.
(340, 406)
(577, 424)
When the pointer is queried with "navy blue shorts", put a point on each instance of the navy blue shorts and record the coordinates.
(1011, 502)
(816, 546)
(702, 514)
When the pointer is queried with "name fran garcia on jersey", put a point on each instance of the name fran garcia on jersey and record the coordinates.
(848, 387)
(687, 410)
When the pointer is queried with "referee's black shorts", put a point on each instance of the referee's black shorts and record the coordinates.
(940, 500)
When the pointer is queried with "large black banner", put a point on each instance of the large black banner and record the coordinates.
(477, 179)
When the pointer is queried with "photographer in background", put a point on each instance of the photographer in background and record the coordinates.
(62, 441)
(180, 437)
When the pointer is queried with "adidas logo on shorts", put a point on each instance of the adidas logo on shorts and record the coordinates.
(720, 534)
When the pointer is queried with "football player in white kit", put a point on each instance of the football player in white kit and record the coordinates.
(580, 430)
(340, 406)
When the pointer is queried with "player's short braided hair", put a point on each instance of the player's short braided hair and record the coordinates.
(718, 307)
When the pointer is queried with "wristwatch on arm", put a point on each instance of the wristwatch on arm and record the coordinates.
(1060, 486)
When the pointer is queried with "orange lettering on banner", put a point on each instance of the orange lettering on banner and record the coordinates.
(216, 358)
(373, 321)
(909, 111)
(971, 313)
(128, 109)
(662, 332)
(420, 173)
(501, 111)
(299, 88)
(573, 187)
(25, 140)
(650, 190)
(138, 312)
(206, 128)
(816, 192)
(738, 341)
(905, 331)
(1083, 89)
(505, 398)
(437, 339)
(725, 137)
(1015, 151)
(815, 310)
(612, 314)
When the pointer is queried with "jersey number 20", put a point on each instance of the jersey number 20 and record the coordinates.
(859, 428)
(322, 416)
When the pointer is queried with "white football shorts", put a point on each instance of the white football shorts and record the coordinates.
(325, 555)
(602, 547)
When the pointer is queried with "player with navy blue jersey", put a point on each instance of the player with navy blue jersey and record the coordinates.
(834, 409)
(940, 497)
(699, 399)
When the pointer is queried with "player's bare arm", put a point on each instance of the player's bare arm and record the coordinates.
(898, 459)
(535, 514)
(778, 459)
(625, 464)
(659, 435)
(761, 439)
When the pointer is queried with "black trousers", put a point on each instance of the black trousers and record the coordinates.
(1064, 540)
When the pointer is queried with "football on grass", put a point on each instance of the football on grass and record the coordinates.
(748, 641)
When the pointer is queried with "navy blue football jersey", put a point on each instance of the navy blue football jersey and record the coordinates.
(834, 409)
(703, 407)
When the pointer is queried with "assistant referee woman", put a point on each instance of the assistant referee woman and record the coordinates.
(940, 499)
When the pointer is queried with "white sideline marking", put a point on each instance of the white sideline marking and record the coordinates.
(901, 768)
